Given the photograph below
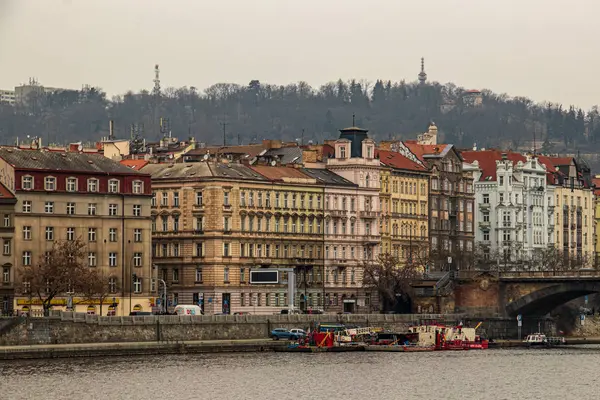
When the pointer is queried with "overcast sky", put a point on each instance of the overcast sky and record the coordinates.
(543, 49)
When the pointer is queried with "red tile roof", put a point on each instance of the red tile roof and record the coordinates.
(6, 196)
(134, 164)
(278, 173)
(397, 160)
(421, 150)
(487, 161)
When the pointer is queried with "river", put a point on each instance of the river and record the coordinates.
(493, 374)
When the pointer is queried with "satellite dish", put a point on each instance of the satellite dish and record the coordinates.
(205, 157)
(273, 163)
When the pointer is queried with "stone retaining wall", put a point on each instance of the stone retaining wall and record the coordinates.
(67, 327)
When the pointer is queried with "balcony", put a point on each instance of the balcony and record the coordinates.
(484, 206)
(263, 261)
(371, 239)
(368, 214)
(484, 224)
(337, 213)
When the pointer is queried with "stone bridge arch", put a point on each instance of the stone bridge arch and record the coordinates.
(540, 302)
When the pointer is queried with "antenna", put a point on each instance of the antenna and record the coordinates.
(302, 138)
(111, 129)
(353, 119)
(224, 124)
(156, 90)
(534, 144)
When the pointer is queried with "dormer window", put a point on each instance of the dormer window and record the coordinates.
(369, 151)
(27, 182)
(92, 185)
(71, 184)
(49, 183)
(113, 186)
(138, 187)
(343, 152)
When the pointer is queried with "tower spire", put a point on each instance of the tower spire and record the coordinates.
(422, 74)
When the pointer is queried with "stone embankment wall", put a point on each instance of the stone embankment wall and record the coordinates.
(67, 328)
(590, 327)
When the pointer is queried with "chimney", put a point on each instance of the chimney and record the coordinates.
(309, 156)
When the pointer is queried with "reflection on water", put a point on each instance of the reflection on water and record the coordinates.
(493, 374)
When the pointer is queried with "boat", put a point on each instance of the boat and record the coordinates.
(541, 340)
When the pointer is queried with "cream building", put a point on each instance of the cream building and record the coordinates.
(68, 196)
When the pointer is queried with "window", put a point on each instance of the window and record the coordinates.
(92, 234)
(198, 275)
(242, 198)
(342, 151)
(49, 183)
(226, 274)
(112, 209)
(226, 247)
(92, 185)
(112, 259)
(91, 208)
(7, 221)
(175, 274)
(27, 183)
(225, 198)
(200, 249)
(175, 223)
(153, 201)
(6, 275)
(501, 180)
(71, 234)
(138, 187)
(226, 224)
(27, 206)
(137, 259)
(71, 184)
(165, 199)
(137, 210)
(137, 287)
(92, 259)
(137, 235)
(49, 207)
(6, 249)
(486, 199)
(70, 208)
(27, 258)
(113, 186)
(49, 233)
(112, 285)
(175, 199)
(112, 234)
(242, 275)
(27, 233)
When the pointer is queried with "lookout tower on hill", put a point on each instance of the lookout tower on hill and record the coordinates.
(422, 74)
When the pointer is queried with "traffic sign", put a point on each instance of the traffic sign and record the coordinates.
(519, 317)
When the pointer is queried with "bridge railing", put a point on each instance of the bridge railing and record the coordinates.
(582, 273)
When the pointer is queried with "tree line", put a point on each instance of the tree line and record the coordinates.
(299, 112)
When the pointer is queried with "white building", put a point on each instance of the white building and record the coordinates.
(7, 96)
(514, 205)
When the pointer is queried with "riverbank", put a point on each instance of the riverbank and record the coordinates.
(48, 351)
(136, 348)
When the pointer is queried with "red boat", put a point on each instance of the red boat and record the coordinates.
(453, 338)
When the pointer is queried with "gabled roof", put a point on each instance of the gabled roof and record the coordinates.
(286, 155)
(61, 161)
(424, 151)
(397, 160)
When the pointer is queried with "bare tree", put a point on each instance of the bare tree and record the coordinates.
(97, 286)
(391, 279)
(59, 271)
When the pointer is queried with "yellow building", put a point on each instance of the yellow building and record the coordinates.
(574, 209)
(68, 196)
(405, 207)
(7, 261)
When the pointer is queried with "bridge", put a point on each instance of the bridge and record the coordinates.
(529, 293)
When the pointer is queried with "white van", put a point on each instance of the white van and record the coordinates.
(188, 310)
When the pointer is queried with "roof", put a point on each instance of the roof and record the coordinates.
(279, 173)
(327, 177)
(134, 164)
(287, 155)
(487, 161)
(60, 161)
(596, 183)
(423, 151)
(201, 169)
(396, 160)
(252, 150)
(6, 196)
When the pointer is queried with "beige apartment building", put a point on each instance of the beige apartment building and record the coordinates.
(68, 196)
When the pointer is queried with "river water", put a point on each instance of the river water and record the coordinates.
(493, 374)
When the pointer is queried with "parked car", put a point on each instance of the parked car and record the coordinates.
(282, 333)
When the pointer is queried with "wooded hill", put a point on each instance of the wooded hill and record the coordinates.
(298, 111)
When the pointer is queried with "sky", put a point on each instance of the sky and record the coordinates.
(542, 49)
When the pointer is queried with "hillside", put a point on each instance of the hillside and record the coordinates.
(298, 111)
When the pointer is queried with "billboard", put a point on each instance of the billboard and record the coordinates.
(264, 276)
